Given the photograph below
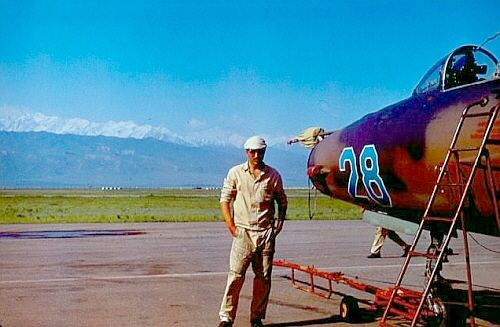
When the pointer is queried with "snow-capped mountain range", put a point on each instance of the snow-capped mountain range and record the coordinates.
(43, 159)
(37, 122)
(19, 121)
(37, 150)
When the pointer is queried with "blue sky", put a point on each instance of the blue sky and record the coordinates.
(231, 67)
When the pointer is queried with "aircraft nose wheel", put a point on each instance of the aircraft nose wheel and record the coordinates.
(441, 315)
(349, 309)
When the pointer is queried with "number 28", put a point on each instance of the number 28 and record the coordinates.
(369, 168)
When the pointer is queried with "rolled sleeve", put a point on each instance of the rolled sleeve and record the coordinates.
(228, 191)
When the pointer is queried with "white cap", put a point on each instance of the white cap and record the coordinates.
(255, 143)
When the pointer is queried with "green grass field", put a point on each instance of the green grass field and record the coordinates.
(147, 205)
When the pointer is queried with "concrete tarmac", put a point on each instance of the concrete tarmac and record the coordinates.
(174, 274)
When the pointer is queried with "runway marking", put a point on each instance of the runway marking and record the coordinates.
(201, 274)
(110, 278)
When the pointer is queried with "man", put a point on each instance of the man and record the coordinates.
(253, 188)
(378, 241)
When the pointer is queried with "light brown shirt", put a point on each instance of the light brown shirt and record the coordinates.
(254, 198)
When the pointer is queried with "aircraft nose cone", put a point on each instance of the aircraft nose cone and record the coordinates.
(323, 161)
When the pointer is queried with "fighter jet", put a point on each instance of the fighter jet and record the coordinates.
(431, 161)
(389, 161)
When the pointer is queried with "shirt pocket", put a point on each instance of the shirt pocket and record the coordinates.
(265, 194)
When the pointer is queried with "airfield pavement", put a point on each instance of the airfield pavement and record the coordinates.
(173, 274)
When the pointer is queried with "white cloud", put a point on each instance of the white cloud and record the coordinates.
(196, 124)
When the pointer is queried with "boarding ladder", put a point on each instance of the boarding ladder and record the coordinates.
(452, 179)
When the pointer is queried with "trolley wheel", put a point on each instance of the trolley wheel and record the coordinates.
(349, 309)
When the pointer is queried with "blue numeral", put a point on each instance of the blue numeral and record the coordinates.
(370, 175)
(349, 156)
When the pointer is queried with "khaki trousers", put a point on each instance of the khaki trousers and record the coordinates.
(249, 247)
(380, 235)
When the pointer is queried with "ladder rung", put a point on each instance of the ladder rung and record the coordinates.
(478, 114)
(451, 184)
(439, 219)
(422, 254)
(468, 148)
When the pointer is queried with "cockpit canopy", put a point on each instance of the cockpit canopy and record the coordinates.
(464, 66)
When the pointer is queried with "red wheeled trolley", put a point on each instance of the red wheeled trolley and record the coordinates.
(407, 301)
